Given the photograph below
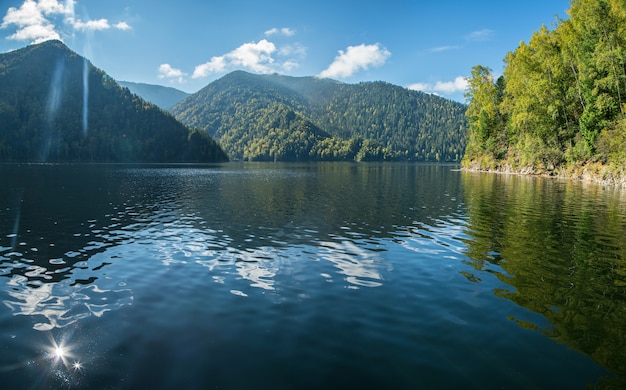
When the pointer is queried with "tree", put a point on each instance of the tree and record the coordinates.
(484, 118)
(562, 96)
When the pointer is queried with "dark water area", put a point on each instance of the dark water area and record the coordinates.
(328, 275)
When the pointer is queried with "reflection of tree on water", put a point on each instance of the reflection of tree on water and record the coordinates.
(561, 245)
(339, 210)
(330, 199)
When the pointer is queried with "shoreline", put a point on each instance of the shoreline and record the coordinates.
(597, 173)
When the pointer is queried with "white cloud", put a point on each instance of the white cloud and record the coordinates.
(122, 26)
(286, 31)
(36, 33)
(27, 15)
(254, 56)
(69, 7)
(459, 84)
(420, 87)
(263, 56)
(289, 65)
(480, 35)
(216, 65)
(50, 7)
(295, 49)
(95, 25)
(31, 23)
(166, 71)
(38, 21)
(356, 58)
(443, 48)
(90, 25)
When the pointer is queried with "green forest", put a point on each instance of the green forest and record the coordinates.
(282, 118)
(55, 106)
(559, 106)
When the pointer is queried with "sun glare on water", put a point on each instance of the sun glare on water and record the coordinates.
(62, 353)
(59, 352)
(64, 361)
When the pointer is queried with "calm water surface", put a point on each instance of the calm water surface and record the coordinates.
(308, 276)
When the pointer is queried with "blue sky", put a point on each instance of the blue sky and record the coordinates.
(426, 45)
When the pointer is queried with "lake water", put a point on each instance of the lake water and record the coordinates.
(308, 276)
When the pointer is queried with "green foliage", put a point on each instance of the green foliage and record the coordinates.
(253, 118)
(612, 144)
(484, 116)
(279, 134)
(404, 124)
(45, 117)
(563, 98)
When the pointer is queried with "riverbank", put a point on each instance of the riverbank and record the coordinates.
(603, 174)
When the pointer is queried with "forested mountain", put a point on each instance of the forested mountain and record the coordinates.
(164, 97)
(560, 104)
(56, 106)
(274, 117)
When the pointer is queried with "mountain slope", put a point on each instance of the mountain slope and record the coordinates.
(56, 106)
(164, 97)
(372, 120)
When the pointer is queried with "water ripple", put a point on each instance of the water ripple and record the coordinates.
(359, 265)
(189, 277)
(57, 305)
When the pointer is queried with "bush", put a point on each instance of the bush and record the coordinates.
(611, 144)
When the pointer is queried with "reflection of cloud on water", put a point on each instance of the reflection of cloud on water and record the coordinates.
(259, 266)
(61, 304)
(444, 239)
(360, 265)
(257, 273)
(179, 246)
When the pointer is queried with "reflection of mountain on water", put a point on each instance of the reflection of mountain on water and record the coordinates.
(69, 225)
(321, 200)
(561, 245)
(341, 211)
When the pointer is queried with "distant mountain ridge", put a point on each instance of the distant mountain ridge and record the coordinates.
(55, 106)
(164, 97)
(252, 116)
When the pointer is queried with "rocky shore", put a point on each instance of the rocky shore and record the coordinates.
(606, 175)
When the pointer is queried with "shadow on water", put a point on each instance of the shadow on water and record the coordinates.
(561, 247)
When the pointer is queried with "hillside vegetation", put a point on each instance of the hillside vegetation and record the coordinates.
(57, 107)
(281, 118)
(559, 107)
